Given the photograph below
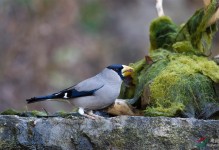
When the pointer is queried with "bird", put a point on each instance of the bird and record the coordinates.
(95, 93)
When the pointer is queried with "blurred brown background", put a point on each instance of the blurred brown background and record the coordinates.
(49, 45)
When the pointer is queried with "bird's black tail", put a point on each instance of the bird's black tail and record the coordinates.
(65, 94)
(40, 98)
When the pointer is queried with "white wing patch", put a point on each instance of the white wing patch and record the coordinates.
(57, 94)
(66, 95)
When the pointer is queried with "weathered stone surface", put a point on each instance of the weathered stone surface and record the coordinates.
(121, 132)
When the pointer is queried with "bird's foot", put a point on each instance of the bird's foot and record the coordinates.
(89, 114)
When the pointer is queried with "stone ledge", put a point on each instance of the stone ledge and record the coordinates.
(123, 132)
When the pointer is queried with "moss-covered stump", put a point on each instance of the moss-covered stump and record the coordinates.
(112, 133)
(178, 78)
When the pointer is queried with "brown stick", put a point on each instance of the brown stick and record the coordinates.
(214, 18)
(206, 2)
(159, 7)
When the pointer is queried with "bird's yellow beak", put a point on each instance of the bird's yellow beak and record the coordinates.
(127, 71)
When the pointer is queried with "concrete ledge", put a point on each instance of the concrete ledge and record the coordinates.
(121, 132)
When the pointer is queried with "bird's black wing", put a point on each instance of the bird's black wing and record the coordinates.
(64, 94)
(85, 88)
(74, 93)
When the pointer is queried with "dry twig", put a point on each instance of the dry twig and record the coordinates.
(159, 7)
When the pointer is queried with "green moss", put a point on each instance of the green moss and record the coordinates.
(183, 47)
(162, 33)
(138, 66)
(195, 36)
(208, 68)
(63, 114)
(170, 110)
(160, 54)
(147, 75)
(33, 113)
(176, 82)
(163, 83)
(180, 79)
(36, 113)
(197, 26)
(186, 80)
(10, 112)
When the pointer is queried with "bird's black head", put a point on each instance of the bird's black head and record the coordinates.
(122, 70)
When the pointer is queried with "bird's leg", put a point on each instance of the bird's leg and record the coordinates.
(81, 112)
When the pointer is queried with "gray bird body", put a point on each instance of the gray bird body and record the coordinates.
(94, 93)
(108, 84)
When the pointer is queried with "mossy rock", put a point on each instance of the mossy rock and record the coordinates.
(33, 113)
(39, 114)
(180, 81)
(185, 86)
(10, 112)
